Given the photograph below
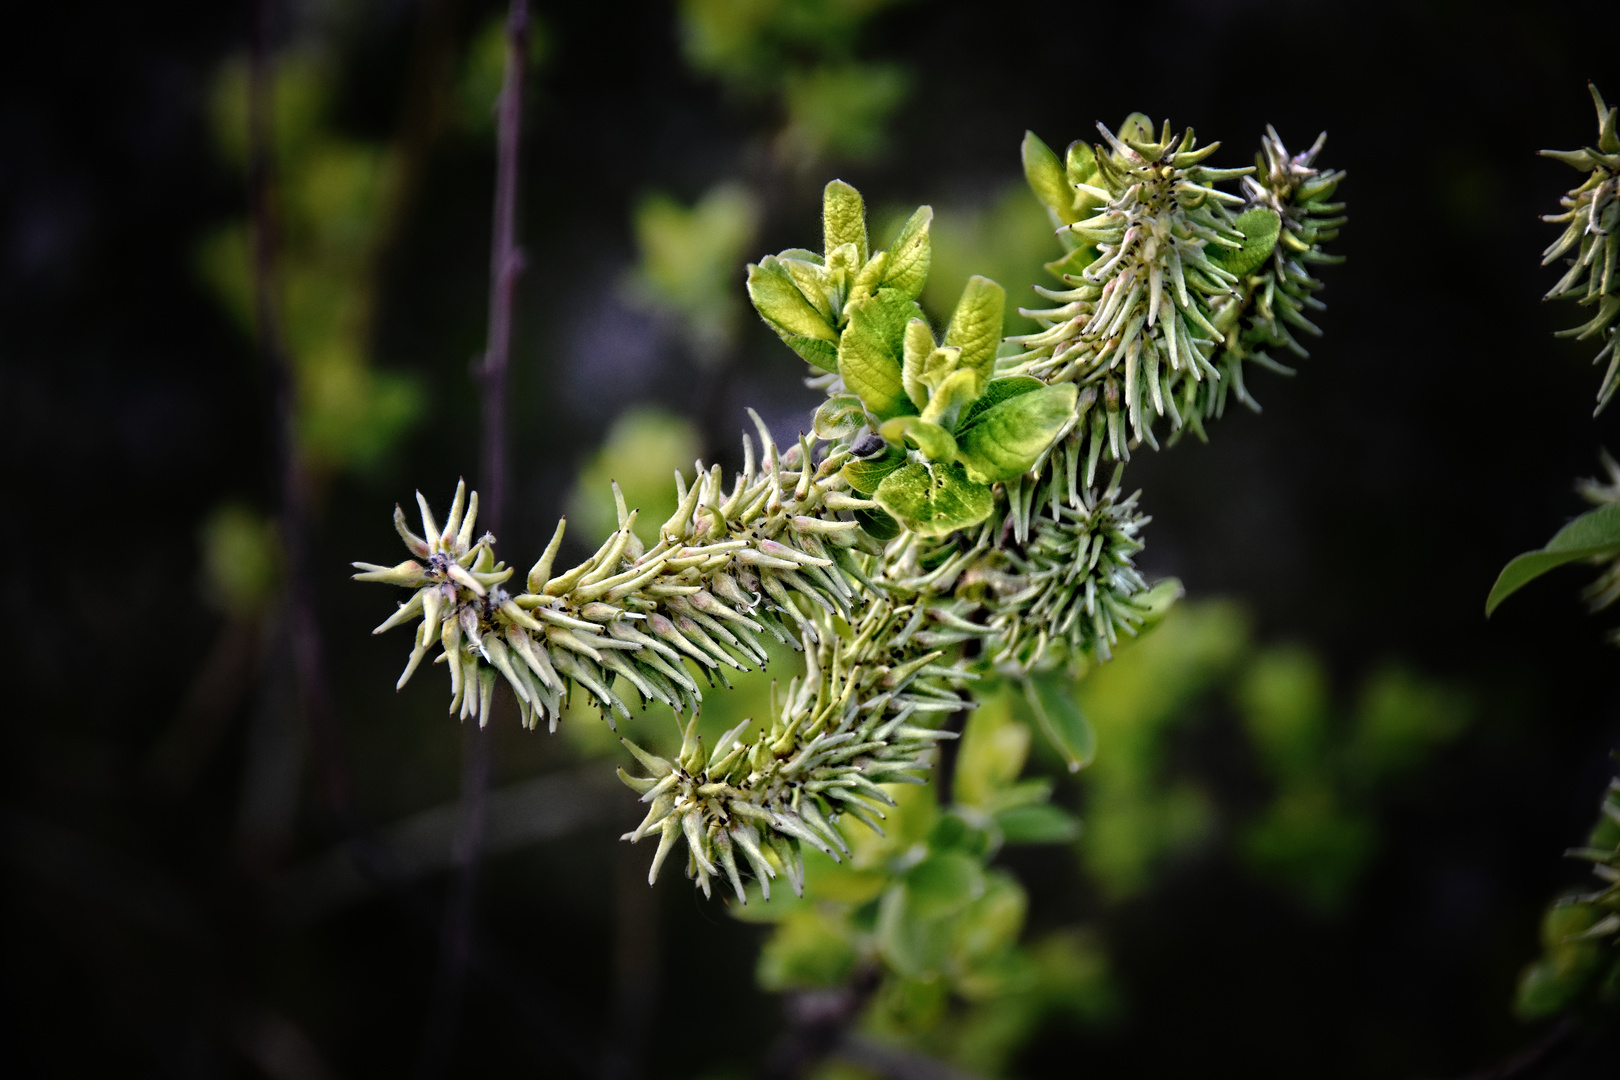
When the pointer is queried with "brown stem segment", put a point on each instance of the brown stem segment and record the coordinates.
(505, 263)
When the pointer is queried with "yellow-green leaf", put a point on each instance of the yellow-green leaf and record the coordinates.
(1005, 439)
(934, 441)
(918, 346)
(976, 324)
(1047, 178)
(910, 254)
(780, 303)
(843, 219)
(934, 499)
(869, 352)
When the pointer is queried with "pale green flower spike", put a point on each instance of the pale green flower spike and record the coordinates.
(854, 722)
(724, 571)
(1174, 282)
(941, 522)
(1592, 214)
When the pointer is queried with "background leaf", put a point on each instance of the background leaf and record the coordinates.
(1051, 697)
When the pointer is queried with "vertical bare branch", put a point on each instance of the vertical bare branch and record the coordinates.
(505, 263)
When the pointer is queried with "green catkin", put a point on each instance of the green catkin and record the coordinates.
(1031, 571)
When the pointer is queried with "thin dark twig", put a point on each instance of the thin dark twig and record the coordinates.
(292, 480)
(506, 262)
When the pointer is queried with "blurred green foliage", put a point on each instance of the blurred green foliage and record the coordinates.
(1320, 829)
(924, 905)
(642, 451)
(1579, 967)
(1327, 768)
(691, 265)
(334, 199)
(799, 55)
(839, 110)
(1135, 814)
(1006, 239)
(241, 558)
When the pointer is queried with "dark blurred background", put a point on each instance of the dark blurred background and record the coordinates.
(179, 901)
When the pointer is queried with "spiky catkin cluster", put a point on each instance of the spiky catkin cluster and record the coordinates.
(1168, 303)
(725, 570)
(1136, 324)
(1592, 232)
(1071, 587)
(1274, 301)
(841, 731)
(1039, 572)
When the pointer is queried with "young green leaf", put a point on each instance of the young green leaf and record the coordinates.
(1081, 166)
(1047, 178)
(878, 525)
(1260, 227)
(934, 499)
(934, 441)
(839, 417)
(780, 303)
(1051, 698)
(1074, 263)
(866, 474)
(918, 346)
(995, 392)
(1596, 532)
(910, 254)
(869, 352)
(1138, 127)
(958, 390)
(843, 219)
(1006, 439)
(811, 279)
(821, 354)
(976, 324)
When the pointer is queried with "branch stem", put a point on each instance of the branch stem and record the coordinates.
(505, 264)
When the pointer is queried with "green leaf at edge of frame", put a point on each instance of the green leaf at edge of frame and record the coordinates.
(1596, 532)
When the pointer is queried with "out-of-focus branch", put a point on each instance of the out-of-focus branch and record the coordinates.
(505, 263)
(302, 626)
